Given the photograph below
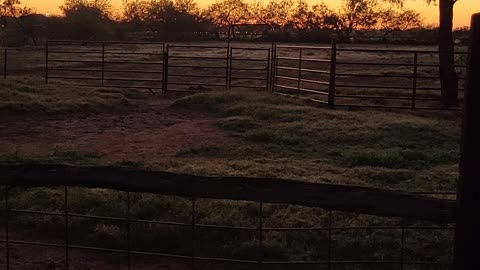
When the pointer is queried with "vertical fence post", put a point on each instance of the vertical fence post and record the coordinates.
(46, 62)
(299, 71)
(67, 233)
(228, 74)
(329, 254)
(165, 69)
(274, 68)
(260, 235)
(129, 246)
(467, 233)
(415, 75)
(402, 248)
(5, 63)
(333, 71)
(193, 234)
(103, 64)
(269, 61)
(7, 244)
(271, 67)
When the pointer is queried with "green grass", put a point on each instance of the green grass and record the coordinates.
(29, 96)
(383, 149)
(273, 137)
(57, 157)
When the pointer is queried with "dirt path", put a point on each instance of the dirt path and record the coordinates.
(156, 132)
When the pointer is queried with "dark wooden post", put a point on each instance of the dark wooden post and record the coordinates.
(467, 231)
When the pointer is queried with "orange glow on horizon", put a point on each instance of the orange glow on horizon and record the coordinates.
(463, 9)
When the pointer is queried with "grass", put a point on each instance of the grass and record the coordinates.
(58, 157)
(29, 96)
(273, 137)
(361, 147)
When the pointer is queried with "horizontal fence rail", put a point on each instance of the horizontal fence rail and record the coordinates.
(194, 188)
(345, 198)
(332, 75)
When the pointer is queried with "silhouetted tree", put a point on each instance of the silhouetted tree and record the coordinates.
(228, 12)
(446, 46)
(164, 18)
(393, 20)
(356, 15)
(11, 11)
(87, 19)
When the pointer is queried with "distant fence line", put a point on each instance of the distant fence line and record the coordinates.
(336, 76)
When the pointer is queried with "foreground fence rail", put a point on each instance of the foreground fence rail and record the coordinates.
(333, 75)
(334, 199)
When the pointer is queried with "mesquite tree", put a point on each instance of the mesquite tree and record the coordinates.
(448, 75)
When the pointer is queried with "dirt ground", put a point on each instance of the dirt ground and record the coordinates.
(155, 132)
(25, 257)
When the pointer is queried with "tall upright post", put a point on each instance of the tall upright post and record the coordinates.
(129, 233)
(299, 82)
(467, 230)
(274, 68)
(333, 71)
(415, 77)
(260, 235)
(6, 217)
(193, 212)
(228, 75)
(103, 64)
(67, 231)
(46, 62)
(165, 70)
(5, 63)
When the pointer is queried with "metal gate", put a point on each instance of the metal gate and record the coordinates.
(250, 67)
(305, 71)
(107, 64)
(193, 68)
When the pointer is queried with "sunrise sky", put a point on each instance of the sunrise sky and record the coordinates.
(463, 9)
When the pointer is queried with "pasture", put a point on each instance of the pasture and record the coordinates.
(237, 132)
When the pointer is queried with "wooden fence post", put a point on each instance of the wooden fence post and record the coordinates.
(467, 231)
(333, 69)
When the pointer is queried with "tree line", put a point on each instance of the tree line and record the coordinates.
(185, 19)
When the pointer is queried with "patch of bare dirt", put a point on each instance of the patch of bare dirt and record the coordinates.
(155, 132)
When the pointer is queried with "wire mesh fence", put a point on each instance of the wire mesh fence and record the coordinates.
(198, 232)
(220, 229)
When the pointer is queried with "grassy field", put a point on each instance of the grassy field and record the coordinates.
(262, 135)
(26, 96)
(275, 136)
(282, 137)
